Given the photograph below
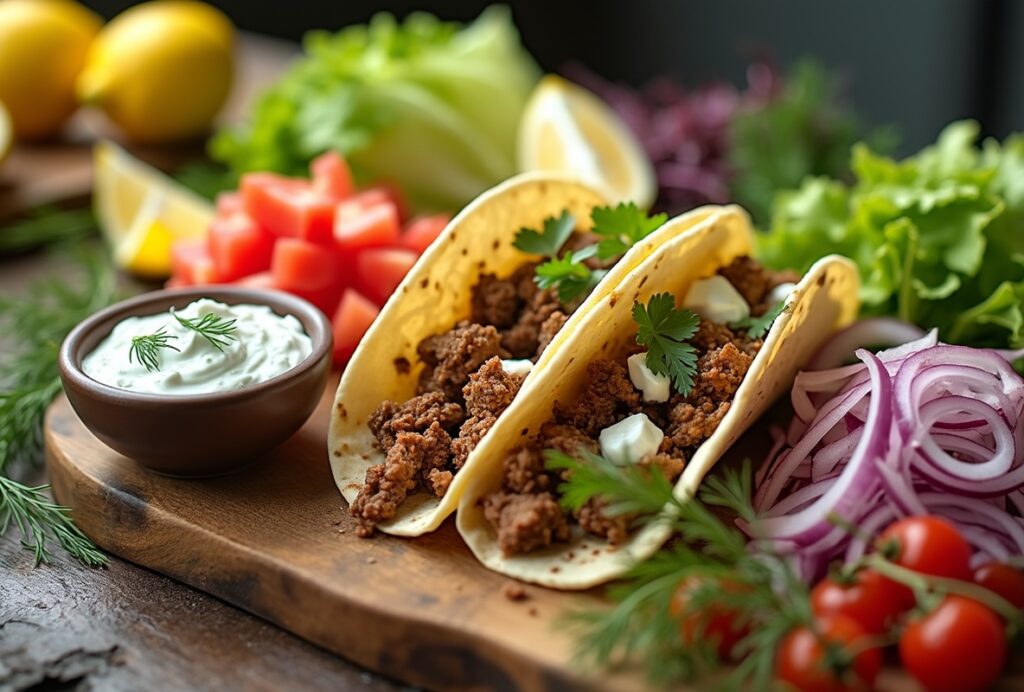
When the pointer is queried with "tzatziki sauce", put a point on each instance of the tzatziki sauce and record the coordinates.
(260, 345)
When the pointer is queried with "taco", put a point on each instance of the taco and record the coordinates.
(472, 322)
(623, 387)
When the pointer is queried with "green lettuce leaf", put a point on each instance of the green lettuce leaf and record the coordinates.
(937, 236)
(432, 106)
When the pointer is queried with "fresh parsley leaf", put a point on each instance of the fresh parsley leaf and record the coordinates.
(621, 227)
(664, 330)
(569, 275)
(548, 241)
(758, 326)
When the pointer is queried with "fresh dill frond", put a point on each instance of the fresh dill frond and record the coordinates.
(217, 330)
(146, 348)
(628, 489)
(46, 226)
(41, 521)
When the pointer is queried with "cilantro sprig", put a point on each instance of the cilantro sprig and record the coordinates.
(618, 229)
(758, 326)
(664, 330)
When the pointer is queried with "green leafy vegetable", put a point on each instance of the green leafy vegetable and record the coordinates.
(218, 331)
(431, 105)
(803, 131)
(759, 587)
(621, 227)
(146, 348)
(46, 226)
(29, 381)
(937, 236)
(664, 330)
(550, 239)
(756, 327)
(569, 275)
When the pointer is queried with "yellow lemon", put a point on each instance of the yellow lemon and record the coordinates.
(566, 128)
(142, 211)
(161, 70)
(43, 44)
(6, 133)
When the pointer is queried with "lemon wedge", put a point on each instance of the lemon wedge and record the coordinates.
(568, 129)
(6, 132)
(142, 211)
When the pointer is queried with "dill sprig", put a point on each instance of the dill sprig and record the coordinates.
(40, 521)
(46, 226)
(217, 330)
(146, 348)
(34, 325)
(760, 588)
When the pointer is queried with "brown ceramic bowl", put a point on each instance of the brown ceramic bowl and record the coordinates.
(203, 434)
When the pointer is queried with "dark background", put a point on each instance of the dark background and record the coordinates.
(917, 64)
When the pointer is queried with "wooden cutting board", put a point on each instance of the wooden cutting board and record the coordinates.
(276, 540)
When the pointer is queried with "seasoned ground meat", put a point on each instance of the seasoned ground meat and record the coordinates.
(415, 415)
(748, 277)
(522, 339)
(566, 439)
(525, 522)
(453, 356)
(593, 519)
(720, 372)
(388, 484)
(689, 425)
(608, 397)
(489, 392)
(551, 326)
(671, 467)
(496, 301)
(524, 471)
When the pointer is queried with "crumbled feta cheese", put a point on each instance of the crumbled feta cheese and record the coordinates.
(654, 387)
(716, 299)
(780, 293)
(517, 366)
(630, 440)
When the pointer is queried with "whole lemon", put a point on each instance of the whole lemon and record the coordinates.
(161, 70)
(43, 44)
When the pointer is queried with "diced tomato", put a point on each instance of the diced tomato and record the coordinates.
(358, 226)
(381, 270)
(239, 246)
(332, 175)
(176, 282)
(301, 266)
(288, 207)
(353, 317)
(229, 202)
(192, 264)
(387, 192)
(423, 230)
(259, 280)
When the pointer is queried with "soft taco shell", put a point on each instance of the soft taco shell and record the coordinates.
(824, 300)
(435, 295)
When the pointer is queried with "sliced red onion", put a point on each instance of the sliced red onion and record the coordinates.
(874, 331)
(922, 428)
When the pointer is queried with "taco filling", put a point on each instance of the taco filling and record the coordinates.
(652, 407)
(471, 373)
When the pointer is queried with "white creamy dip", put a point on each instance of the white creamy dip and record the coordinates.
(264, 345)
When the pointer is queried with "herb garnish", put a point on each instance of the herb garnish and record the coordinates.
(618, 228)
(759, 587)
(217, 330)
(28, 383)
(758, 326)
(664, 330)
(146, 347)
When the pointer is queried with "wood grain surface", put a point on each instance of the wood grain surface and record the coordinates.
(277, 541)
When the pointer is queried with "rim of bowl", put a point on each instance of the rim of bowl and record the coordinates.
(315, 325)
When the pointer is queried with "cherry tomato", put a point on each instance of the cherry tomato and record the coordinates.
(960, 646)
(874, 601)
(824, 661)
(929, 545)
(716, 624)
(1005, 580)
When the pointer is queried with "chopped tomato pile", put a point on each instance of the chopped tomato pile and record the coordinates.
(344, 250)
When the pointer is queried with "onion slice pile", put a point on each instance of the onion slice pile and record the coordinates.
(922, 428)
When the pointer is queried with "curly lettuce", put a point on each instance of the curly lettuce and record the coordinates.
(937, 236)
(430, 105)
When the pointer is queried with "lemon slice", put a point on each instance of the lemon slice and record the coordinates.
(142, 211)
(6, 132)
(566, 128)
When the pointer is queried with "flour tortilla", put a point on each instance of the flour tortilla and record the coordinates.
(824, 300)
(434, 296)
